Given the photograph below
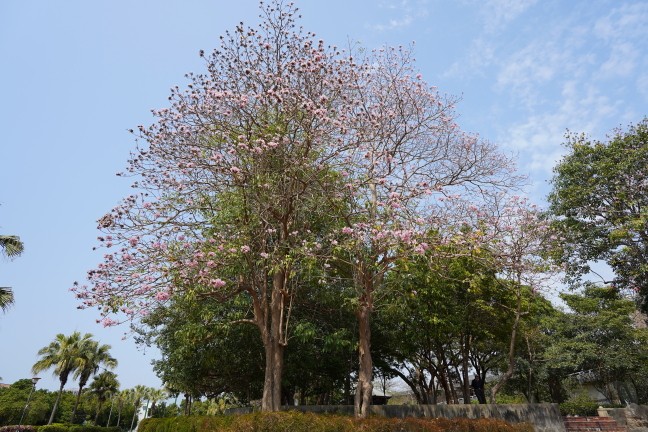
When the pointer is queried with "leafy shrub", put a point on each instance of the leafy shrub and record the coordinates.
(309, 422)
(581, 405)
(510, 399)
(56, 427)
(90, 428)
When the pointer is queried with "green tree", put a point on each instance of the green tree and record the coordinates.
(448, 316)
(599, 200)
(63, 355)
(103, 386)
(597, 338)
(92, 356)
(13, 405)
(136, 396)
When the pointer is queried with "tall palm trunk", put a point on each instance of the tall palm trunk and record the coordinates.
(76, 404)
(56, 402)
(121, 404)
(134, 415)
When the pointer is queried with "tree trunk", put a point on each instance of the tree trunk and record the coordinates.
(464, 369)
(76, 404)
(134, 415)
(511, 354)
(56, 402)
(364, 388)
(274, 344)
(98, 410)
(273, 372)
(121, 404)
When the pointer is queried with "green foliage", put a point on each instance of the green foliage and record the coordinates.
(580, 405)
(503, 398)
(90, 428)
(307, 422)
(54, 427)
(598, 336)
(599, 199)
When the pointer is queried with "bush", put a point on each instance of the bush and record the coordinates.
(90, 428)
(74, 428)
(581, 405)
(309, 422)
(56, 427)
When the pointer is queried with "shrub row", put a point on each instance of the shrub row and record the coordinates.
(309, 422)
(59, 428)
(580, 406)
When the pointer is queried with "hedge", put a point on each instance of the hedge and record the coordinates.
(309, 422)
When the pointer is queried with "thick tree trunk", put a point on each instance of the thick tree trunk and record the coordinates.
(274, 344)
(271, 400)
(364, 388)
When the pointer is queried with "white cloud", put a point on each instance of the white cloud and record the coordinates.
(498, 13)
(621, 61)
(627, 22)
(404, 13)
(538, 138)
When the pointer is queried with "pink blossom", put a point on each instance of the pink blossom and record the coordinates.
(107, 322)
(217, 283)
(162, 296)
(347, 230)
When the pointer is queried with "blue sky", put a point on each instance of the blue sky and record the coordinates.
(76, 74)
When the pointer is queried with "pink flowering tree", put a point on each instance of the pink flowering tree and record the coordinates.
(522, 240)
(409, 170)
(287, 152)
(230, 181)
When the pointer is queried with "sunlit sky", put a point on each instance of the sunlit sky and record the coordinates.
(77, 74)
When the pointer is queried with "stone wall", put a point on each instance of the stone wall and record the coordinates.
(633, 417)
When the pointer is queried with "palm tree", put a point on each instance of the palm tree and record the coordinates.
(10, 246)
(122, 396)
(154, 396)
(103, 386)
(6, 298)
(139, 392)
(63, 355)
(91, 357)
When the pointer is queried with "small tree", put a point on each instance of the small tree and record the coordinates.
(104, 386)
(92, 357)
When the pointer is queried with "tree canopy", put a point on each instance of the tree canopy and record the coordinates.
(600, 201)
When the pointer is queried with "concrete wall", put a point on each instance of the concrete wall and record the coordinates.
(544, 417)
(633, 417)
